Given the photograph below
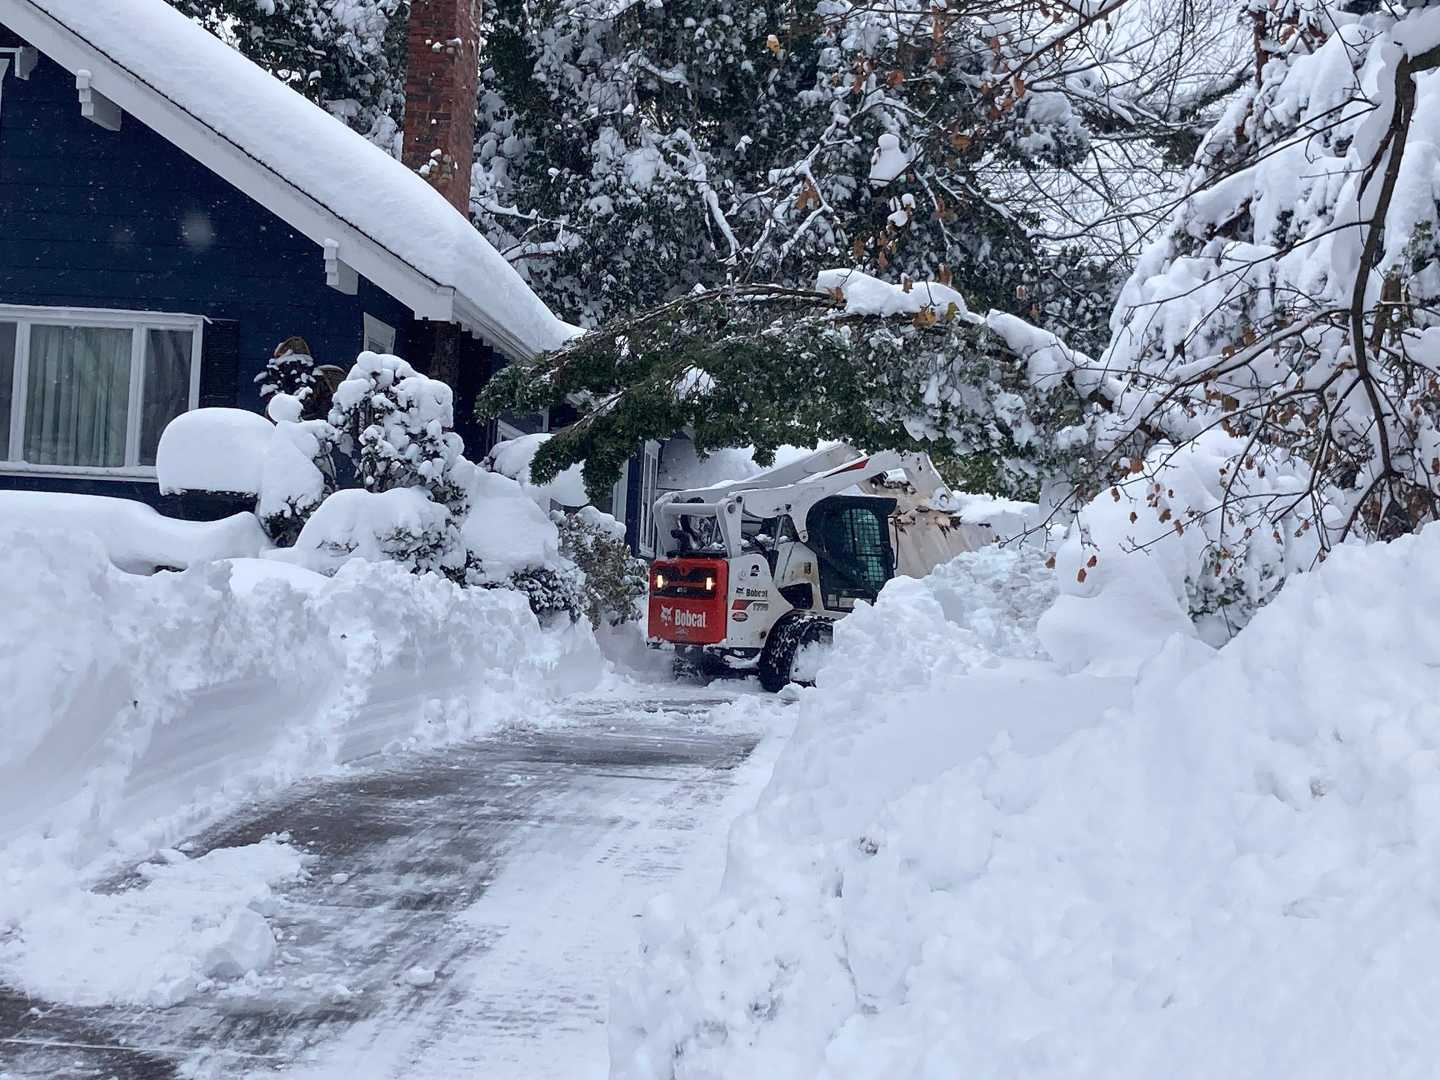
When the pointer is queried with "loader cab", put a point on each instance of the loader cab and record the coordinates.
(850, 535)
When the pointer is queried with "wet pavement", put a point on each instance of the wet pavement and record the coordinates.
(511, 867)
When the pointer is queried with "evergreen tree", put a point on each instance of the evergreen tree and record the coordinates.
(631, 152)
(396, 425)
(290, 370)
(770, 366)
(346, 55)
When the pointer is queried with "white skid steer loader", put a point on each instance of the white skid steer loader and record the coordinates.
(752, 575)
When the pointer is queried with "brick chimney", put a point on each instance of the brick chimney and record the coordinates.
(442, 67)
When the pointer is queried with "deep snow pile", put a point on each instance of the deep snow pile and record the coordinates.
(136, 707)
(197, 921)
(513, 457)
(970, 865)
(213, 450)
(134, 536)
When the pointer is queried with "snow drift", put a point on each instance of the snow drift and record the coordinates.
(136, 707)
(135, 537)
(1225, 866)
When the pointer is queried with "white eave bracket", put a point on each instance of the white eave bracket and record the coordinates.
(25, 60)
(339, 275)
(95, 106)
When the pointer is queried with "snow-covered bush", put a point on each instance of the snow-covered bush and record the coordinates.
(402, 525)
(610, 581)
(290, 370)
(392, 426)
(398, 427)
(384, 479)
(614, 580)
(298, 470)
(212, 449)
(513, 458)
(407, 494)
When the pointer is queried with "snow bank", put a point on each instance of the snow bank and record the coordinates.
(978, 866)
(513, 458)
(137, 707)
(195, 921)
(505, 530)
(213, 450)
(135, 537)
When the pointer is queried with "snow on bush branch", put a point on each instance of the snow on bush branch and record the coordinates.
(383, 478)
(1292, 302)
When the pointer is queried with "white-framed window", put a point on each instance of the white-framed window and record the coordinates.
(645, 512)
(87, 392)
(510, 425)
(379, 336)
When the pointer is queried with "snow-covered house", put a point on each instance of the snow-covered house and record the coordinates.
(169, 212)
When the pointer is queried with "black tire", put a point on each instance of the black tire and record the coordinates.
(791, 634)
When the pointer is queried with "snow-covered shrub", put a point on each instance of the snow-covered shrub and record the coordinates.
(552, 591)
(397, 425)
(610, 580)
(298, 470)
(613, 580)
(212, 449)
(1188, 543)
(290, 370)
(402, 525)
(384, 479)
(513, 458)
(393, 427)
(509, 542)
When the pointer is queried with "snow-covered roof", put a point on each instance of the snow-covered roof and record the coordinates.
(326, 181)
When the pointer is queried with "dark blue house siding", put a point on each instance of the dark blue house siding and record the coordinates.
(123, 219)
(95, 218)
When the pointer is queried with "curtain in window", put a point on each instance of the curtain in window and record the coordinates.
(167, 386)
(79, 396)
(7, 380)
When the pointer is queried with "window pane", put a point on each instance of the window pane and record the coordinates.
(7, 380)
(526, 423)
(167, 386)
(78, 396)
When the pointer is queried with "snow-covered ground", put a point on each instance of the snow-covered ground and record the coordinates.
(971, 862)
(254, 819)
(422, 914)
(140, 707)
